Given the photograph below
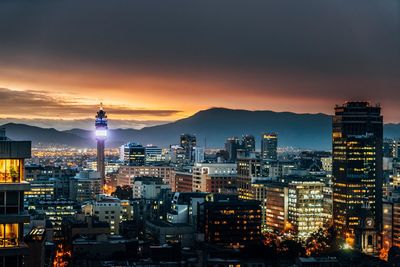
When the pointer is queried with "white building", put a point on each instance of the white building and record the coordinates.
(210, 177)
(147, 188)
(110, 210)
(184, 207)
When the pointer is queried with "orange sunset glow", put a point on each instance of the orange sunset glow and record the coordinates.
(149, 73)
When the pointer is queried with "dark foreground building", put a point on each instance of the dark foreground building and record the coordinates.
(229, 222)
(12, 187)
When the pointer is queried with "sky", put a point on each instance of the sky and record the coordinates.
(151, 62)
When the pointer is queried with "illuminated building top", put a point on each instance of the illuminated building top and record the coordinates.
(101, 123)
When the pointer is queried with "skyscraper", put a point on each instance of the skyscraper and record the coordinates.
(269, 146)
(232, 144)
(188, 142)
(12, 187)
(248, 143)
(357, 165)
(101, 135)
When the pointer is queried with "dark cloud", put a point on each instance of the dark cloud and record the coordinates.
(28, 104)
(321, 36)
(322, 50)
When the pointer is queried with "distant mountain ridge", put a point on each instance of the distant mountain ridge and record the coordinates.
(211, 126)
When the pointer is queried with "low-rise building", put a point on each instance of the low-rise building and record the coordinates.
(213, 177)
(226, 221)
(184, 207)
(273, 196)
(182, 181)
(148, 187)
(110, 210)
(127, 174)
(85, 186)
(306, 207)
(166, 232)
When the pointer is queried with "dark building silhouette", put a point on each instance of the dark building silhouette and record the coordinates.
(188, 143)
(248, 143)
(269, 146)
(133, 154)
(357, 165)
(229, 222)
(232, 145)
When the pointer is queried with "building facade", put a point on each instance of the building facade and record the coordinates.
(269, 146)
(127, 174)
(357, 164)
(133, 154)
(12, 188)
(306, 207)
(188, 143)
(273, 197)
(182, 181)
(213, 177)
(229, 222)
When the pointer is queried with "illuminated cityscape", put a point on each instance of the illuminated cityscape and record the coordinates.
(182, 198)
(199, 134)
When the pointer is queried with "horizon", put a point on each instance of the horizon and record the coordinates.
(87, 124)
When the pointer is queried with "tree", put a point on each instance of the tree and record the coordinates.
(123, 192)
(291, 249)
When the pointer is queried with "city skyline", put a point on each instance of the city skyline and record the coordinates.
(153, 64)
(212, 133)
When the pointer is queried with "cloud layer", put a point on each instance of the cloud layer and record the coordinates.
(152, 59)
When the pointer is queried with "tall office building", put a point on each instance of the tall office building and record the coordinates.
(101, 135)
(248, 170)
(269, 146)
(12, 187)
(248, 143)
(133, 154)
(357, 166)
(232, 145)
(188, 142)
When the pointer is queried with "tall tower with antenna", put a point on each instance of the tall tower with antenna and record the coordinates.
(101, 135)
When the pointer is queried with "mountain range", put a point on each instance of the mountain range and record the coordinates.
(211, 126)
